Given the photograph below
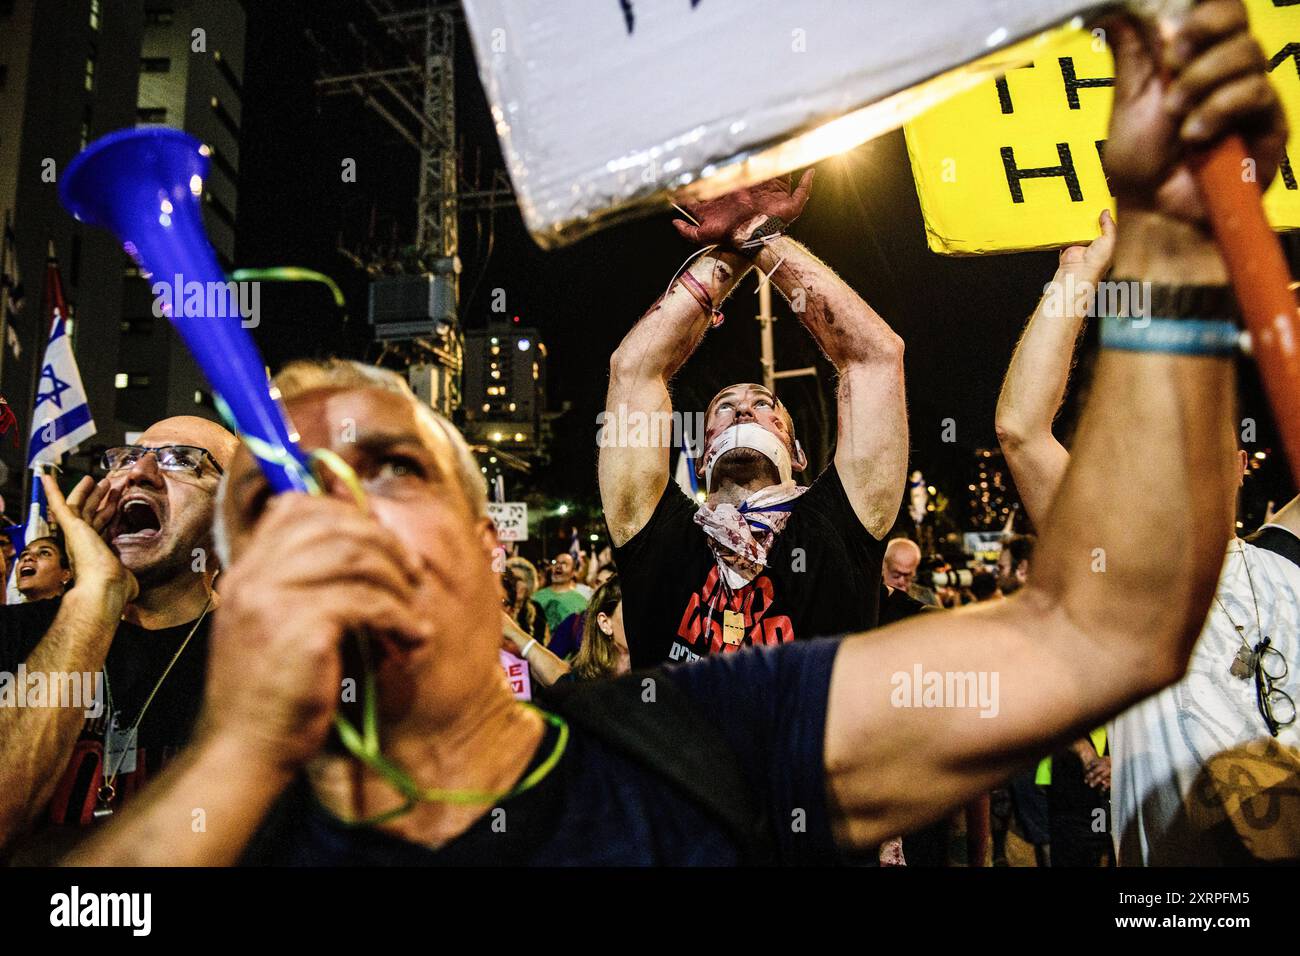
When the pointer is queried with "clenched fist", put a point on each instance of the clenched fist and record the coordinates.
(315, 570)
(1180, 94)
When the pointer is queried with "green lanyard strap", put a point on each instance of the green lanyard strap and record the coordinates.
(367, 751)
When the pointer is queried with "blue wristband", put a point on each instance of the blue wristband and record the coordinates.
(1215, 337)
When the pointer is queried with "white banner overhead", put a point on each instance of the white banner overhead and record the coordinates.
(604, 105)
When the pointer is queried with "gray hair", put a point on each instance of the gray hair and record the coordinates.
(902, 544)
(302, 376)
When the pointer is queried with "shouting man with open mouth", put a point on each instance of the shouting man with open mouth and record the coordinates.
(138, 542)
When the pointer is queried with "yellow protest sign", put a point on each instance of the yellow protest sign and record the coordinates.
(1015, 163)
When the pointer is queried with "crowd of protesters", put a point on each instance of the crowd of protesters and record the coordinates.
(766, 675)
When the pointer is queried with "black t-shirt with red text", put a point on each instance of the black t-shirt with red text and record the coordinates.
(136, 660)
(822, 578)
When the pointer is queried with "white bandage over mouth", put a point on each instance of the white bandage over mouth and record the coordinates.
(748, 435)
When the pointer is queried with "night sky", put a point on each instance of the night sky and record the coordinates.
(959, 317)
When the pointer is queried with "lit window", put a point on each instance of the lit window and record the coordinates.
(94, 14)
(90, 73)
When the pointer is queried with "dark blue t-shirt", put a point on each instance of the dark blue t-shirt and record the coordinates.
(600, 807)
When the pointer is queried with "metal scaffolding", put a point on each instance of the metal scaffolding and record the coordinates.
(408, 78)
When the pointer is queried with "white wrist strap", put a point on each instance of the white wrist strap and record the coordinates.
(527, 647)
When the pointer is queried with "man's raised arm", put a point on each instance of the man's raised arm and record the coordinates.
(36, 743)
(1131, 549)
(633, 474)
(871, 442)
(1035, 384)
(632, 479)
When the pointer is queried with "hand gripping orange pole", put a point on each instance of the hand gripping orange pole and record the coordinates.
(1260, 278)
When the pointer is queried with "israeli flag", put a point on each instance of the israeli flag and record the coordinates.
(61, 416)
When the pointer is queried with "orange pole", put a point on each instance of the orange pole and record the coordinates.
(1260, 277)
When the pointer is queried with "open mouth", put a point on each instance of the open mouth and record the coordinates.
(27, 571)
(137, 518)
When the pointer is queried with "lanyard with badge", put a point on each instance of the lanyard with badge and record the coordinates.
(121, 744)
(1263, 662)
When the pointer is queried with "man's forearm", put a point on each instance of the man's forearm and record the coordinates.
(1134, 542)
(545, 666)
(1033, 390)
(36, 742)
(633, 474)
(664, 338)
(871, 436)
(1034, 387)
(202, 811)
(847, 329)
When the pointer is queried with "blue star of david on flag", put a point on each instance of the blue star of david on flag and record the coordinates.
(57, 388)
(61, 417)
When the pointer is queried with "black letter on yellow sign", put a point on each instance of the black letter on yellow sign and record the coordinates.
(1073, 83)
(1065, 171)
(1004, 91)
(1288, 174)
(1290, 51)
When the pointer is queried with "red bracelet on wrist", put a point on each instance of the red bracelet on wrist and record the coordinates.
(701, 295)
